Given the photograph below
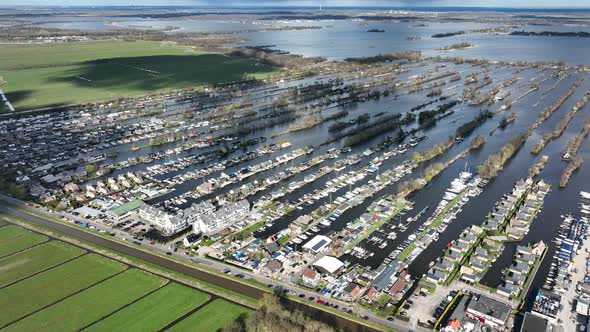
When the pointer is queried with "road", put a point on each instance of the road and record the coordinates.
(567, 314)
(224, 282)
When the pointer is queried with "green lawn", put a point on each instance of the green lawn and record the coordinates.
(82, 309)
(39, 258)
(213, 316)
(154, 311)
(53, 285)
(3, 223)
(14, 238)
(58, 74)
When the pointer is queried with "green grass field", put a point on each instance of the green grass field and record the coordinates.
(74, 295)
(213, 316)
(39, 258)
(81, 309)
(3, 223)
(154, 311)
(14, 238)
(53, 285)
(49, 75)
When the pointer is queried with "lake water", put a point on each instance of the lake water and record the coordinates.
(341, 39)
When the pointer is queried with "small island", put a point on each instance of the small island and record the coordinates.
(454, 47)
(448, 34)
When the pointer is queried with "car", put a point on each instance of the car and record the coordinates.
(227, 271)
(269, 285)
(241, 276)
(406, 306)
(349, 311)
(169, 253)
(404, 313)
(390, 319)
(301, 295)
(335, 306)
(320, 302)
(366, 317)
(410, 302)
(311, 298)
(152, 243)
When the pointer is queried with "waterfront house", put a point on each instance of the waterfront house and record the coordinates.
(453, 256)
(477, 264)
(526, 259)
(520, 268)
(524, 250)
(481, 253)
(445, 266)
(515, 279)
(509, 290)
(460, 247)
(467, 238)
(436, 276)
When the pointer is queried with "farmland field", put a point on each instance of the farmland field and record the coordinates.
(13, 239)
(50, 75)
(56, 286)
(53, 285)
(81, 309)
(154, 311)
(31, 261)
(213, 316)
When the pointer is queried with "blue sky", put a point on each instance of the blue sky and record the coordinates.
(395, 3)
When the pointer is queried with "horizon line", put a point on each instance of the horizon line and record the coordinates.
(292, 6)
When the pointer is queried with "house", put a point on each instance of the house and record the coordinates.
(271, 267)
(467, 238)
(371, 294)
(509, 290)
(459, 247)
(445, 266)
(481, 253)
(351, 291)
(526, 259)
(520, 268)
(436, 276)
(310, 277)
(477, 264)
(453, 256)
(524, 250)
(271, 248)
(398, 286)
(515, 279)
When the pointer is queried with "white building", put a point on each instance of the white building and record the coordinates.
(167, 223)
(208, 221)
(317, 244)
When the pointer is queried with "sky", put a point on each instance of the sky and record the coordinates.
(386, 3)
